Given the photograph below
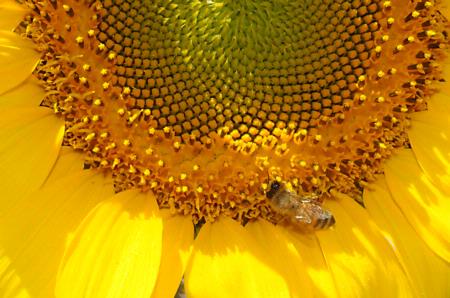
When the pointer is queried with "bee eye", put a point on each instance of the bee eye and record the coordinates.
(275, 185)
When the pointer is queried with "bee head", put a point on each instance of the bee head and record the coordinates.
(274, 187)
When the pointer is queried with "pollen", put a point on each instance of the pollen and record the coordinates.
(205, 103)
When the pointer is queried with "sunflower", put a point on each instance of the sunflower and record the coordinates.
(140, 141)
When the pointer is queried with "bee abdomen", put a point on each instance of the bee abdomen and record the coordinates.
(325, 222)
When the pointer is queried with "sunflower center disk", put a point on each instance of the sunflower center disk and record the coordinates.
(206, 102)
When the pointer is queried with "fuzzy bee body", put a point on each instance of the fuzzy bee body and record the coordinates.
(301, 211)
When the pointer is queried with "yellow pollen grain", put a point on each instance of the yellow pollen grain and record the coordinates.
(95, 118)
(79, 39)
(86, 67)
(121, 111)
(195, 167)
(98, 102)
(151, 131)
(390, 20)
(400, 47)
(380, 99)
(147, 172)
(66, 7)
(387, 4)
(104, 135)
(96, 149)
(149, 151)
(430, 33)
(161, 163)
(105, 85)
(385, 37)
(90, 136)
(110, 146)
(116, 162)
(132, 169)
(415, 14)
(91, 32)
(83, 80)
(101, 46)
(411, 39)
(126, 142)
(126, 90)
(111, 55)
(103, 71)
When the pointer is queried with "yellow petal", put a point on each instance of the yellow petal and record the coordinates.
(307, 246)
(68, 162)
(430, 140)
(116, 250)
(359, 257)
(30, 141)
(440, 102)
(425, 207)
(11, 13)
(228, 262)
(34, 233)
(282, 256)
(178, 237)
(17, 58)
(28, 94)
(428, 274)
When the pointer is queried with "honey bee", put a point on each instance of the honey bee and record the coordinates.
(300, 211)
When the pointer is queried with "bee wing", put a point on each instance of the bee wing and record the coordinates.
(310, 210)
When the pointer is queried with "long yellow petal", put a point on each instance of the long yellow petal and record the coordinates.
(17, 59)
(228, 262)
(69, 161)
(116, 250)
(283, 257)
(440, 102)
(429, 275)
(178, 237)
(27, 95)
(315, 265)
(425, 207)
(430, 140)
(30, 141)
(34, 233)
(359, 257)
(11, 13)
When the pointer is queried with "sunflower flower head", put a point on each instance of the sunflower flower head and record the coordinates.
(206, 102)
